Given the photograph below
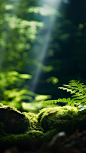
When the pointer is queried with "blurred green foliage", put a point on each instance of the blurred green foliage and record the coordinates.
(10, 88)
(13, 95)
(24, 27)
(20, 23)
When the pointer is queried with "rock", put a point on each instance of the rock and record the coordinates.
(60, 118)
(58, 139)
(12, 121)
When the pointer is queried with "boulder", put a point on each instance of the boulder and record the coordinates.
(12, 121)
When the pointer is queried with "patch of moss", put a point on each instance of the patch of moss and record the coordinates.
(22, 140)
(29, 140)
(64, 118)
(43, 126)
(33, 121)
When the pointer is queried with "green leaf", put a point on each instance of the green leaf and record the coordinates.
(25, 76)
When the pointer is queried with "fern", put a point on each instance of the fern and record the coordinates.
(78, 91)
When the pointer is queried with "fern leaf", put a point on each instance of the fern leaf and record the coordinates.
(78, 91)
(49, 102)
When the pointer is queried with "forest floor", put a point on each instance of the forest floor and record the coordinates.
(52, 130)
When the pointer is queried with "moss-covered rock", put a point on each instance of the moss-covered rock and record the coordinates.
(12, 121)
(33, 121)
(21, 140)
(64, 118)
(30, 140)
(26, 129)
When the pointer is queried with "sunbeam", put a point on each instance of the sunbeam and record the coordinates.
(50, 8)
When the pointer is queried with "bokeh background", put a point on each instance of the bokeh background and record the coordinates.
(42, 47)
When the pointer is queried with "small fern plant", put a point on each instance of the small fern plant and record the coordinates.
(78, 98)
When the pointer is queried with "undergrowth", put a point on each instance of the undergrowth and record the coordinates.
(78, 98)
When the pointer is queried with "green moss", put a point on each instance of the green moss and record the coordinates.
(36, 138)
(33, 121)
(65, 118)
(21, 140)
(44, 126)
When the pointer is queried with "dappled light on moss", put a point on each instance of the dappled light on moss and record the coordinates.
(57, 117)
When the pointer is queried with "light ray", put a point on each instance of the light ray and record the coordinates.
(48, 7)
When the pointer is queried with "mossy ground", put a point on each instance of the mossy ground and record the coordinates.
(66, 118)
(57, 118)
(43, 126)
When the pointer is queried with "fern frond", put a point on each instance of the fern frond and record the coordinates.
(49, 102)
(78, 90)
